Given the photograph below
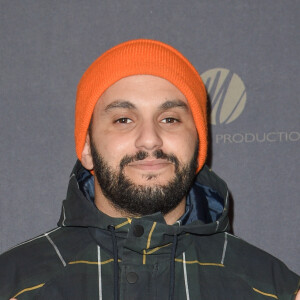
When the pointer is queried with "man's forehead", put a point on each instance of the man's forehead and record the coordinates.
(135, 91)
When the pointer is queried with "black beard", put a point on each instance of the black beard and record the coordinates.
(139, 200)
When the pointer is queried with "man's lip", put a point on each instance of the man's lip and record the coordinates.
(150, 164)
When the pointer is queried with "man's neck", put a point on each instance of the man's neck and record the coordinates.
(175, 214)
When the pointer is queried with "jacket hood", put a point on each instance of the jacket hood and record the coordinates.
(206, 209)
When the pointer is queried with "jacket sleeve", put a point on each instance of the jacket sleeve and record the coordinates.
(26, 268)
(265, 274)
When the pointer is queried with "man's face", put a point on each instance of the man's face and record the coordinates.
(144, 145)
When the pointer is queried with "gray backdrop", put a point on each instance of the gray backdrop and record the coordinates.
(248, 53)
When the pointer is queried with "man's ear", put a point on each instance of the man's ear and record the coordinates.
(86, 156)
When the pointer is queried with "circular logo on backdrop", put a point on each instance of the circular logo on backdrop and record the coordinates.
(227, 94)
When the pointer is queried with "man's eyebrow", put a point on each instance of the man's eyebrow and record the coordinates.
(174, 103)
(120, 104)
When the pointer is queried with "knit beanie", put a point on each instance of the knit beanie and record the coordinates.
(140, 57)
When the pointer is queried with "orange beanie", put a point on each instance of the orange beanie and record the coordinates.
(140, 57)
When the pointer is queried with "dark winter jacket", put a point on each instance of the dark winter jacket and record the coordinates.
(93, 256)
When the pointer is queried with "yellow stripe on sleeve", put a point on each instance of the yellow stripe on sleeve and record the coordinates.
(29, 289)
(92, 262)
(265, 294)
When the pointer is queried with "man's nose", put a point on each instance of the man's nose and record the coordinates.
(148, 137)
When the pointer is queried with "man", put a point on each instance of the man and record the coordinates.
(153, 223)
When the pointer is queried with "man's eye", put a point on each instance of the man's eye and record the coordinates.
(170, 120)
(123, 121)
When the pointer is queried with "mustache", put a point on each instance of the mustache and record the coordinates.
(141, 155)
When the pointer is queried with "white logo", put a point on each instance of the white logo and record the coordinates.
(227, 94)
